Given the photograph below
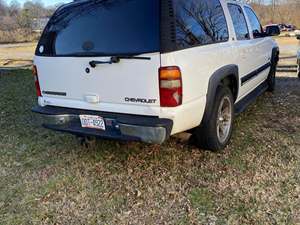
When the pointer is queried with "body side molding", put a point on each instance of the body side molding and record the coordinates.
(254, 73)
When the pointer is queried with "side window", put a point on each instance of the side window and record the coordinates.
(199, 22)
(255, 24)
(239, 22)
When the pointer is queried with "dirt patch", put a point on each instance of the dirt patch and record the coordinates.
(17, 52)
(16, 55)
(287, 40)
(288, 47)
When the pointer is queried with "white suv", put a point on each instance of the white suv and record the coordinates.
(146, 70)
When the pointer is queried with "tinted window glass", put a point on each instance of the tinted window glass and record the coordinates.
(254, 22)
(239, 22)
(103, 28)
(199, 22)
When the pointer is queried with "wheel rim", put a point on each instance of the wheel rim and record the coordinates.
(224, 119)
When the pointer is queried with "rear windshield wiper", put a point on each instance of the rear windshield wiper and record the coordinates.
(116, 59)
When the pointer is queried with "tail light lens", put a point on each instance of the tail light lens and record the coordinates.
(36, 81)
(170, 86)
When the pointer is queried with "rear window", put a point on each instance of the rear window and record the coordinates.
(103, 28)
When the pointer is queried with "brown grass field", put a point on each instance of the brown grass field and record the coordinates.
(49, 178)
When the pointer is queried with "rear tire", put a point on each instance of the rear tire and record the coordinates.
(215, 133)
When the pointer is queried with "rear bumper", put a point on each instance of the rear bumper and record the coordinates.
(147, 129)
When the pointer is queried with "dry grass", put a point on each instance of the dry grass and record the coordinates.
(18, 36)
(14, 51)
(287, 40)
(47, 178)
(288, 48)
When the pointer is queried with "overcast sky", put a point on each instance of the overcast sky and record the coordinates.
(46, 2)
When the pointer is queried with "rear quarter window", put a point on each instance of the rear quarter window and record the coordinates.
(199, 22)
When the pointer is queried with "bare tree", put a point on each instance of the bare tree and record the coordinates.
(3, 8)
(14, 8)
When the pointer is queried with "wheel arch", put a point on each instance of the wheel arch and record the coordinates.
(228, 72)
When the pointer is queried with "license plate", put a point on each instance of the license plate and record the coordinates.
(95, 122)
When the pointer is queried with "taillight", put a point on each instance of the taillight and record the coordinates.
(36, 81)
(170, 86)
